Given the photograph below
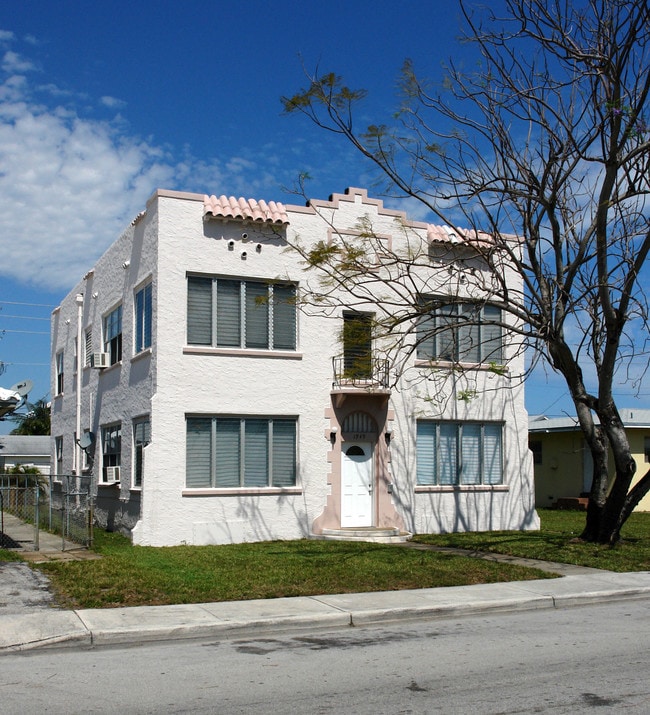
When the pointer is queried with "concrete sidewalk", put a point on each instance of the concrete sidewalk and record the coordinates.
(29, 620)
(21, 536)
(47, 627)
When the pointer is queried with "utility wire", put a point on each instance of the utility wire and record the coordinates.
(32, 305)
(27, 332)
(23, 317)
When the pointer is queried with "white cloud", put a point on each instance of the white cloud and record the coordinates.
(67, 186)
(13, 62)
(70, 182)
(112, 102)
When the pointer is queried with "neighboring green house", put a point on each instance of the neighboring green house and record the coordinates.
(563, 464)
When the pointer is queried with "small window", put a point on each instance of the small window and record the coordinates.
(355, 451)
(59, 373)
(58, 456)
(357, 345)
(111, 453)
(113, 335)
(86, 439)
(143, 319)
(646, 449)
(141, 438)
(535, 446)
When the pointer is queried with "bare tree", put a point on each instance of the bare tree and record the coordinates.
(545, 139)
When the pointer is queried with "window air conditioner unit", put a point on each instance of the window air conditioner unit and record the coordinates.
(100, 360)
(112, 474)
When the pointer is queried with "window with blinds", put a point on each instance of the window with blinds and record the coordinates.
(227, 313)
(234, 452)
(113, 335)
(459, 333)
(59, 373)
(143, 318)
(459, 453)
(141, 438)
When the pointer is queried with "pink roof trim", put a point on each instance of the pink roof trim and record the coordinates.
(245, 210)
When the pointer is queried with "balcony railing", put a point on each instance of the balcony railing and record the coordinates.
(360, 371)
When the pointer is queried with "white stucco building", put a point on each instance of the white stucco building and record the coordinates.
(214, 409)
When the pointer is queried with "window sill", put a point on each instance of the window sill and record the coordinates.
(108, 484)
(450, 488)
(142, 354)
(110, 368)
(499, 369)
(241, 352)
(263, 491)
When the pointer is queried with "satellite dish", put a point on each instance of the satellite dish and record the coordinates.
(22, 388)
(86, 440)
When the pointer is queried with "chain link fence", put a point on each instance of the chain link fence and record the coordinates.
(61, 505)
(70, 510)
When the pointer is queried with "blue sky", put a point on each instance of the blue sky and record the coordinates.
(103, 102)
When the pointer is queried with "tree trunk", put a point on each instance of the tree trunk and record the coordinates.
(609, 504)
(598, 493)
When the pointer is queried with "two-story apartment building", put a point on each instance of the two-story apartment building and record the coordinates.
(210, 407)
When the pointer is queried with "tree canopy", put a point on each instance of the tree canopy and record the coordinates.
(34, 420)
(544, 138)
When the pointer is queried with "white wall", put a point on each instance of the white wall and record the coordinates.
(174, 380)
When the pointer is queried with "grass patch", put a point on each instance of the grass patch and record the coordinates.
(139, 575)
(558, 541)
(8, 555)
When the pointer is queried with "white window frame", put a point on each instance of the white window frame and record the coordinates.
(58, 458)
(60, 372)
(220, 452)
(456, 333)
(143, 313)
(252, 318)
(111, 450)
(456, 454)
(141, 438)
(112, 326)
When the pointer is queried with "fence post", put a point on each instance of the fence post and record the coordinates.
(36, 516)
(65, 504)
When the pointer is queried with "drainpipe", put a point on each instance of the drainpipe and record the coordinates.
(79, 300)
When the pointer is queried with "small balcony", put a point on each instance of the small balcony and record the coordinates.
(361, 373)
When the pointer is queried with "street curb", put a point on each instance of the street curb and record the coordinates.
(51, 628)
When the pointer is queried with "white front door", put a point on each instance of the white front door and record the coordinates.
(356, 484)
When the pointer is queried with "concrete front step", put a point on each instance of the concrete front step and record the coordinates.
(369, 533)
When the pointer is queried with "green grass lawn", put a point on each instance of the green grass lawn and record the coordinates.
(140, 575)
(137, 575)
(558, 541)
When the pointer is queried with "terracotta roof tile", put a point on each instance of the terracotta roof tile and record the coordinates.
(447, 234)
(245, 209)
